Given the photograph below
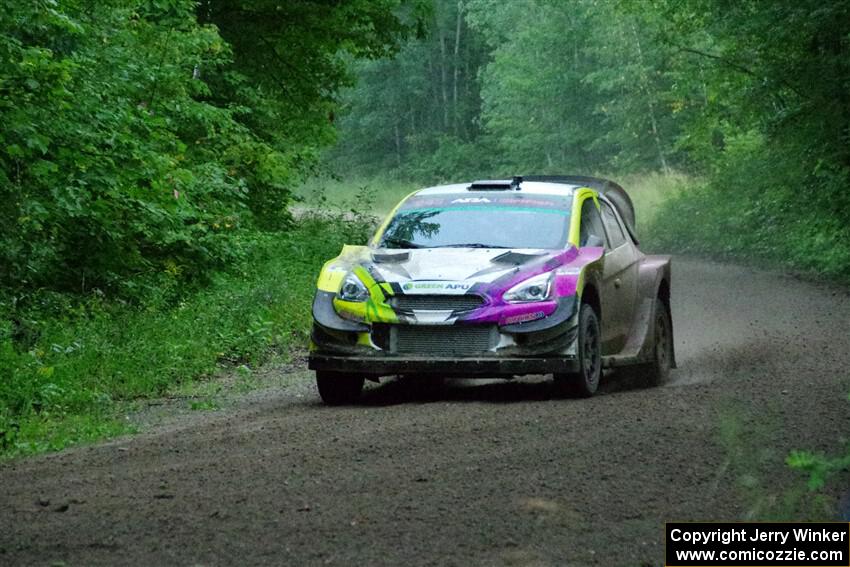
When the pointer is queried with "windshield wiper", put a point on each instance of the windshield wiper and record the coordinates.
(471, 245)
(400, 242)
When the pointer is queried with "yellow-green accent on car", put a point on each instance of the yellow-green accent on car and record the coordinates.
(579, 197)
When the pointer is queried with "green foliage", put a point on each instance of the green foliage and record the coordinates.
(423, 103)
(99, 352)
(729, 219)
(505, 87)
(111, 167)
(750, 466)
(818, 466)
(289, 60)
(143, 147)
(147, 155)
(371, 196)
(771, 141)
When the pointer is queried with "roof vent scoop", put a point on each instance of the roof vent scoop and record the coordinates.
(496, 184)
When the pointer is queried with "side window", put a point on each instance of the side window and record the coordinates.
(615, 230)
(591, 224)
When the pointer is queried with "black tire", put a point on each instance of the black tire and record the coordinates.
(657, 372)
(338, 388)
(585, 382)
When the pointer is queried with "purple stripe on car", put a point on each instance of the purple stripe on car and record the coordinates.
(569, 264)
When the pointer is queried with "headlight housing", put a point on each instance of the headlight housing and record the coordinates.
(352, 289)
(537, 288)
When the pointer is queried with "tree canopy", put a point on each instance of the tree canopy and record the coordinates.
(150, 142)
(146, 142)
(751, 98)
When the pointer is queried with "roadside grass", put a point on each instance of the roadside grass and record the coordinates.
(371, 196)
(83, 364)
(751, 460)
(705, 220)
(648, 191)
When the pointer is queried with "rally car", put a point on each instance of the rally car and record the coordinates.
(496, 278)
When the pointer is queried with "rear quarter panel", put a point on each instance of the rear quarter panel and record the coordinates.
(653, 272)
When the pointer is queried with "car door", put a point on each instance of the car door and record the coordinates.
(593, 233)
(620, 276)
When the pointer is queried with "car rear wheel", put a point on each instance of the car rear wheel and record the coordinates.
(657, 372)
(585, 382)
(338, 388)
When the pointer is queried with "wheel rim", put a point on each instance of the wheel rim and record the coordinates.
(590, 358)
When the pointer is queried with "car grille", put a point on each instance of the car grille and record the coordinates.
(437, 302)
(442, 340)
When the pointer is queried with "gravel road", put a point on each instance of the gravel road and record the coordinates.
(492, 473)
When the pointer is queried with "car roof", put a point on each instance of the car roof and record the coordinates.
(552, 185)
(526, 187)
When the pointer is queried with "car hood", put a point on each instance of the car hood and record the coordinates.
(452, 271)
(452, 264)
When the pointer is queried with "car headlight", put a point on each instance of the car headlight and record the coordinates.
(352, 289)
(537, 288)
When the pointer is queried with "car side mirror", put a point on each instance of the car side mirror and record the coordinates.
(593, 240)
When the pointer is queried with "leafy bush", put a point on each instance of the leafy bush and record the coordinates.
(135, 157)
(112, 168)
(819, 467)
(60, 378)
(146, 157)
(762, 205)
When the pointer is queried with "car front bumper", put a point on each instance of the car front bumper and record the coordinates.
(539, 347)
(461, 367)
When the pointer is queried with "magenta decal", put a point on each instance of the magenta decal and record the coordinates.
(524, 318)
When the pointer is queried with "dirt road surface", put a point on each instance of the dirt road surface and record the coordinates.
(495, 473)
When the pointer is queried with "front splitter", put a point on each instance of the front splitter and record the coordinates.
(481, 367)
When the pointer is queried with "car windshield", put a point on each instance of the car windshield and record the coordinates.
(491, 221)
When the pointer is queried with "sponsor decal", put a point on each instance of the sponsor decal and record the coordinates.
(432, 285)
(436, 287)
(569, 271)
(472, 200)
(525, 317)
(561, 204)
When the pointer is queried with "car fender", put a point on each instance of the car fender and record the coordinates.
(334, 313)
(653, 273)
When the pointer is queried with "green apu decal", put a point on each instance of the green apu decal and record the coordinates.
(409, 286)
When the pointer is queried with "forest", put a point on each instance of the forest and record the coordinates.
(749, 99)
(150, 153)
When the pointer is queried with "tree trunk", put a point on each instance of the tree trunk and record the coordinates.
(456, 66)
(651, 106)
(397, 144)
(444, 82)
(431, 119)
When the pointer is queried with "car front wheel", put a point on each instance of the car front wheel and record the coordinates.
(585, 382)
(338, 388)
